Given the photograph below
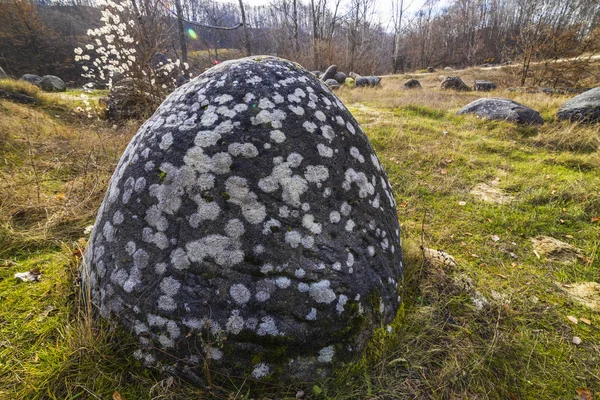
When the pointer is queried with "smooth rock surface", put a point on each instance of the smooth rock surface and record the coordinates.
(340, 77)
(454, 83)
(250, 226)
(502, 109)
(35, 79)
(583, 108)
(412, 84)
(329, 73)
(484, 86)
(332, 83)
(367, 81)
(51, 83)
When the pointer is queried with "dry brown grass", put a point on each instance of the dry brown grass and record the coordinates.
(53, 175)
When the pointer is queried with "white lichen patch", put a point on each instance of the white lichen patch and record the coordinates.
(260, 371)
(321, 292)
(239, 293)
(326, 354)
(308, 221)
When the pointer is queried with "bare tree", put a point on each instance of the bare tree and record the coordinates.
(246, 37)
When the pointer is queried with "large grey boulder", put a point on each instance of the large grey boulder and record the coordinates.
(248, 227)
(332, 83)
(340, 77)
(35, 79)
(412, 84)
(329, 73)
(582, 108)
(502, 109)
(368, 81)
(454, 83)
(51, 83)
(484, 86)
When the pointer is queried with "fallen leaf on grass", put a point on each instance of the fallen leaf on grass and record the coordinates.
(585, 321)
(403, 205)
(502, 276)
(118, 396)
(572, 319)
(595, 219)
(584, 393)
(495, 238)
(462, 203)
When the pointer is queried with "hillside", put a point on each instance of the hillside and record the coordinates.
(501, 321)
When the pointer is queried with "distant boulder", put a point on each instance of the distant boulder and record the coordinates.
(430, 69)
(329, 73)
(454, 83)
(353, 75)
(318, 74)
(35, 79)
(332, 83)
(367, 81)
(502, 109)
(3, 74)
(412, 84)
(484, 86)
(374, 80)
(448, 69)
(51, 83)
(340, 77)
(582, 108)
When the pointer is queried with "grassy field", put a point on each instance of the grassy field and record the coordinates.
(498, 323)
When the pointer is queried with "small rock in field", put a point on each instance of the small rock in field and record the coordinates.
(585, 293)
(491, 194)
(556, 250)
(437, 258)
(577, 340)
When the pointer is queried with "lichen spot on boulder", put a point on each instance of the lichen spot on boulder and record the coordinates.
(249, 227)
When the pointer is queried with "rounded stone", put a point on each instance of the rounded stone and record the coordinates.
(51, 83)
(35, 79)
(584, 107)
(502, 109)
(454, 83)
(248, 226)
(484, 86)
(412, 84)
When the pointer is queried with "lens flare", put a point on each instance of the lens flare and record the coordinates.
(192, 33)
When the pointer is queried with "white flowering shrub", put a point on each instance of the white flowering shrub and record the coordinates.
(124, 56)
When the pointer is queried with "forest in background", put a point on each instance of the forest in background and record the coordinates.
(39, 36)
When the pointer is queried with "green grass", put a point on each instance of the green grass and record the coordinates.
(493, 327)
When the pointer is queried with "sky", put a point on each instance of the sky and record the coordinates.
(382, 7)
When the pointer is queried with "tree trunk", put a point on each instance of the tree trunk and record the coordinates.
(182, 38)
(295, 21)
(246, 37)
